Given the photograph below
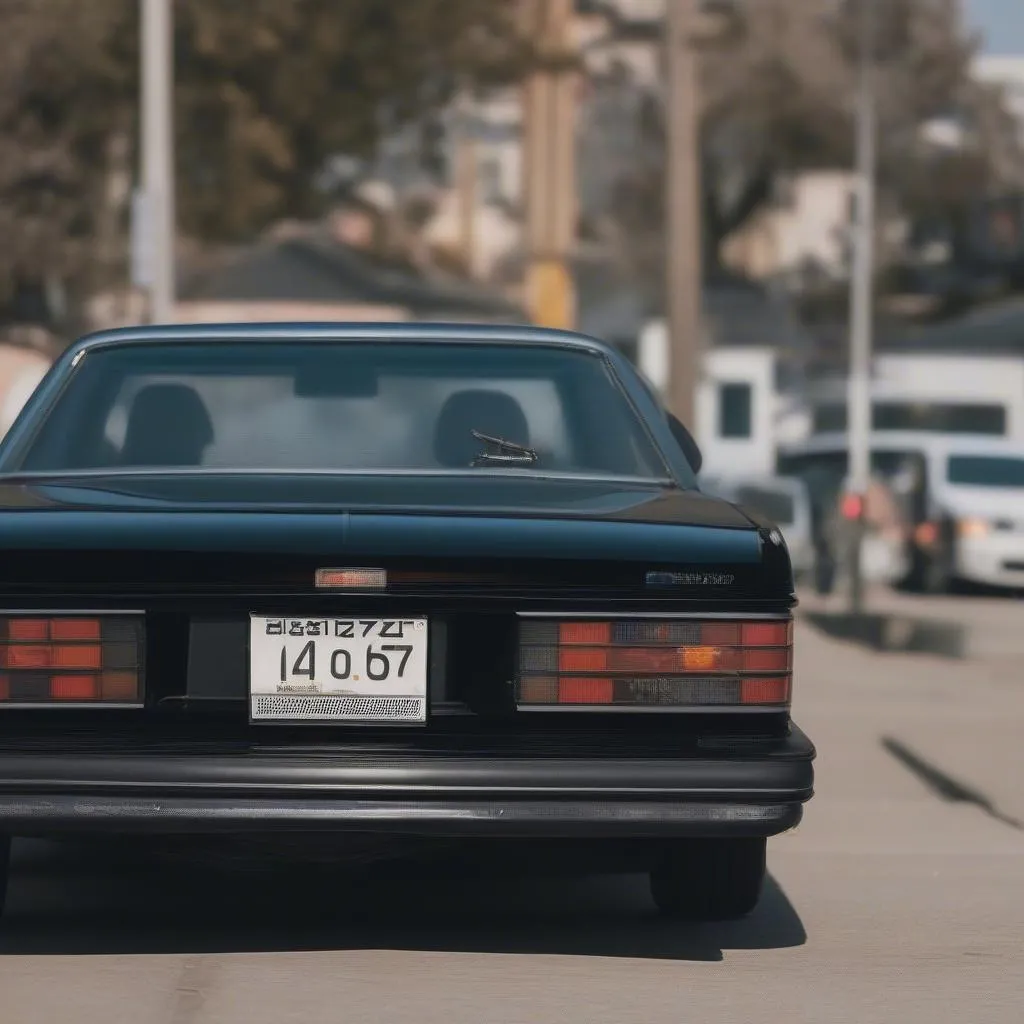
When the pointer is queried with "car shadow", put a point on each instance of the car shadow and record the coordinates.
(66, 901)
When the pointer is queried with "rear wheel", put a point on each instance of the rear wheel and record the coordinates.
(709, 879)
(938, 576)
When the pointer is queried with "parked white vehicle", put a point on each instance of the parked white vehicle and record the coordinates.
(963, 497)
(978, 491)
(784, 501)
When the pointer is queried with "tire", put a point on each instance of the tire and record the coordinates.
(5, 869)
(937, 576)
(709, 879)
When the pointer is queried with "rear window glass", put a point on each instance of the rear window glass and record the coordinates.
(985, 471)
(340, 406)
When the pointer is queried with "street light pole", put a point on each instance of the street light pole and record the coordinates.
(861, 301)
(157, 128)
(683, 285)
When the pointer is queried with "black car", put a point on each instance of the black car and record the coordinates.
(452, 583)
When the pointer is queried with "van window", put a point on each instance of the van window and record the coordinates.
(824, 473)
(985, 470)
(988, 419)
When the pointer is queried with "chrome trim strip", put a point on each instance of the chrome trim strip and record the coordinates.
(607, 616)
(72, 611)
(665, 709)
(70, 705)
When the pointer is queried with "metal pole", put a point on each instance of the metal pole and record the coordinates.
(683, 284)
(861, 300)
(157, 53)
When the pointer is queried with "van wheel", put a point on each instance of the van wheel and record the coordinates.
(937, 575)
(709, 879)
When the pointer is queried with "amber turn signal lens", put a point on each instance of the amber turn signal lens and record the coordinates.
(667, 663)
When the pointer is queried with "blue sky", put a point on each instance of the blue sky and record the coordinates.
(1001, 22)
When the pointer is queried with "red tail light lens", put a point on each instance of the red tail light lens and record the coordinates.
(657, 664)
(78, 659)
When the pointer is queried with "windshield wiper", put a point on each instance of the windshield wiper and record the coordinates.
(509, 453)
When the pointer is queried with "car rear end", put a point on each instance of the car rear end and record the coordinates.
(167, 686)
(394, 582)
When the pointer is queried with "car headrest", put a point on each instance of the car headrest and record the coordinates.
(168, 425)
(490, 412)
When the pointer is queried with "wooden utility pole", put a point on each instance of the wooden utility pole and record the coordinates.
(549, 165)
(684, 279)
(466, 186)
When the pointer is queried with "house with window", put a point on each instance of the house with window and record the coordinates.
(751, 391)
(963, 376)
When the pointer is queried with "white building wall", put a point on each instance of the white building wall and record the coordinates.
(754, 454)
(808, 226)
(942, 378)
(771, 416)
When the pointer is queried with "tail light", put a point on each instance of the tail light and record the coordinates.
(655, 664)
(71, 659)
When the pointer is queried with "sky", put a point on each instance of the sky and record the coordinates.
(1002, 24)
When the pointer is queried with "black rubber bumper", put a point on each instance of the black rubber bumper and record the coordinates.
(739, 793)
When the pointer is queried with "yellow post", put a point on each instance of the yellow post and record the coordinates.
(549, 169)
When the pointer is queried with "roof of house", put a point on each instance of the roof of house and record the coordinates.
(992, 330)
(737, 312)
(315, 268)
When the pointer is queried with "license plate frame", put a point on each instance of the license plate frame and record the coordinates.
(343, 670)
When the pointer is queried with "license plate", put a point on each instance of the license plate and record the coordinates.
(339, 670)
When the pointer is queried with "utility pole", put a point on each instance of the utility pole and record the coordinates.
(157, 127)
(861, 303)
(549, 166)
(683, 285)
(466, 185)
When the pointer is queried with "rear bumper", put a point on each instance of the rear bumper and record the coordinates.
(727, 793)
(996, 561)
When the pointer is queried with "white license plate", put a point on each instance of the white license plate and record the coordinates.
(337, 669)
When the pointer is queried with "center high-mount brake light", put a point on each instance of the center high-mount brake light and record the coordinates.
(655, 664)
(55, 660)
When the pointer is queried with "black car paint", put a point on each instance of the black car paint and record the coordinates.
(189, 550)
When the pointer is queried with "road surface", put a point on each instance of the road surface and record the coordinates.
(900, 898)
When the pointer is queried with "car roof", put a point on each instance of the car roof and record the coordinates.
(462, 333)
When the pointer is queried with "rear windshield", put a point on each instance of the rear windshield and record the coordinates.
(777, 506)
(985, 470)
(343, 407)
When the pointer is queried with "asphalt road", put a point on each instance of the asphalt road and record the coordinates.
(900, 898)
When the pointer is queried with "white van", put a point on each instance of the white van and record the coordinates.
(978, 506)
(963, 496)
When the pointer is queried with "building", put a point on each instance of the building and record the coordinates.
(803, 235)
(962, 376)
(1008, 74)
